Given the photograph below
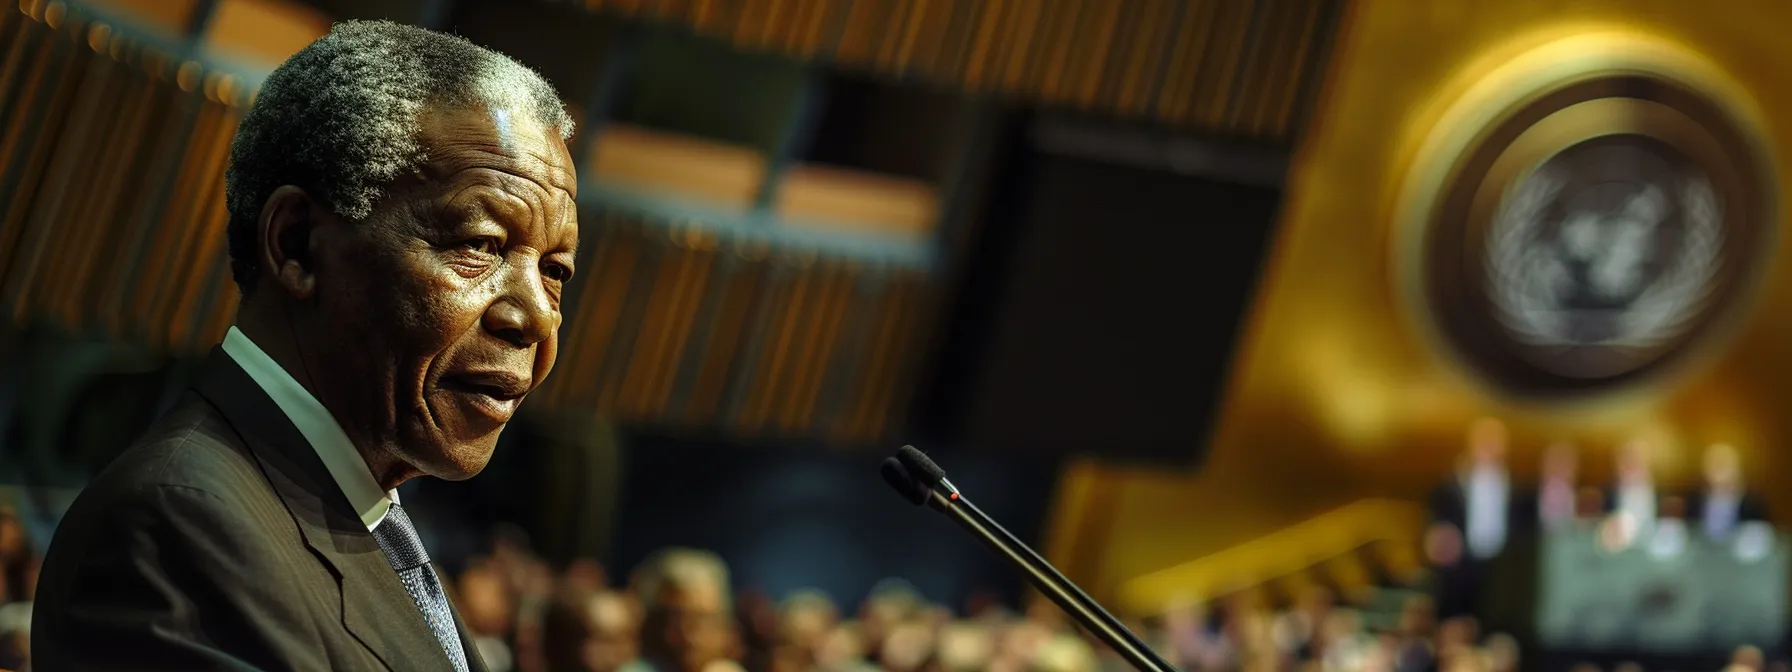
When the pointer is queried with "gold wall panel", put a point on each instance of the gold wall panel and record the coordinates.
(1338, 393)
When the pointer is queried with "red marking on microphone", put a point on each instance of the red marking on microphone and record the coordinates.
(953, 497)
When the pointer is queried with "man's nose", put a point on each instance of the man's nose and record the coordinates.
(523, 314)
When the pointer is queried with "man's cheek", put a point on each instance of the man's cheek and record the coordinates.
(545, 356)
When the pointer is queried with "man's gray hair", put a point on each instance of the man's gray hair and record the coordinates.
(340, 119)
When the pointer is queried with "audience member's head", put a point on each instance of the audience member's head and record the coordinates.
(1635, 461)
(908, 647)
(1673, 507)
(1487, 438)
(687, 621)
(12, 533)
(1460, 632)
(843, 646)
(1064, 653)
(1443, 544)
(786, 658)
(1723, 467)
(587, 574)
(982, 602)
(966, 646)
(1589, 502)
(1317, 601)
(805, 619)
(1561, 462)
(1464, 660)
(1618, 531)
(1748, 658)
(486, 600)
(1502, 653)
(1340, 626)
(1023, 640)
(590, 631)
(1418, 616)
(1042, 611)
(891, 601)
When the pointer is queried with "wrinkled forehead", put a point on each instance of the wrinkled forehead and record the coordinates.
(509, 138)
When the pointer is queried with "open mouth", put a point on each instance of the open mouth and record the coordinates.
(494, 394)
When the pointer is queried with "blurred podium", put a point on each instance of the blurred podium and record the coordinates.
(1669, 591)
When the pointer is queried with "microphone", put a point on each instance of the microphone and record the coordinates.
(922, 482)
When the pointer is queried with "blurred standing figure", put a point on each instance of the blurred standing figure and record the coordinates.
(1633, 495)
(1556, 486)
(1471, 518)
(1725, 502)
(687, 621)
(401, 222)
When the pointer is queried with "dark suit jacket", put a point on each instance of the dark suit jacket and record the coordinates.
(1449, 504)
(220, 542)
(1749, 508)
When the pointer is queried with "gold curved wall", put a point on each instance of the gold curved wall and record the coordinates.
(1337, 394)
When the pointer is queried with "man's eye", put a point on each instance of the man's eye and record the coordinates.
(479, 246)
(557, 272)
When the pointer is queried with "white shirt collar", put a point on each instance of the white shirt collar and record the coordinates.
(1486, 477)
(320, 428)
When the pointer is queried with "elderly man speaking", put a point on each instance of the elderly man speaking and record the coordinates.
(401, 227)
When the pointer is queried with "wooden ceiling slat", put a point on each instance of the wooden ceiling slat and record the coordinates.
(1280, 114)
(619, 359)
(68, 163)
(1093, 59)
(1220, 75)
(96, 250)
(736, 300)
(68, 195)
(1220, 66)
(830, 316)
(139, 225)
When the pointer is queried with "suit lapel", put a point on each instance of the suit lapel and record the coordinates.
(375, 607)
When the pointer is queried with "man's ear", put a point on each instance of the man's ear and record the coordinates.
(289, 218)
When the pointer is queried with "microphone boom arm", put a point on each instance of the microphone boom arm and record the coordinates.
(1047, 579)
(919, 480)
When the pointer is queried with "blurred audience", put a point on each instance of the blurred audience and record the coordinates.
(680, 613)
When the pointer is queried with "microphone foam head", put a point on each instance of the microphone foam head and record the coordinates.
(921, 467)
(897, 476)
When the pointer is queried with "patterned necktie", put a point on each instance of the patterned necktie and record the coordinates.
(398, 538)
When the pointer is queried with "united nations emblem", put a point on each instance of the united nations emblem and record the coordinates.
(1594, 232)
